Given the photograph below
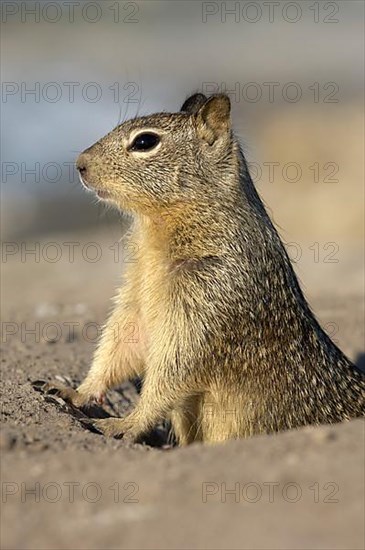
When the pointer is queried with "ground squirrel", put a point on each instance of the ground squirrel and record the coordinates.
(228, 346)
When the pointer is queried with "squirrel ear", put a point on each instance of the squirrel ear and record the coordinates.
(193, 103)
(213, 118)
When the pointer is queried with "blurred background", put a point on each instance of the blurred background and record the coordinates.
(294, 73)
(71, 71)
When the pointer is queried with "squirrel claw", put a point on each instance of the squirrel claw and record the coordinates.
(67, 393)
(114, 427)
(60, 390)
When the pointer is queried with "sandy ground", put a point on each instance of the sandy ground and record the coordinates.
(66, 487)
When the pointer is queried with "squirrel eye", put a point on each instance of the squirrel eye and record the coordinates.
(145, 142)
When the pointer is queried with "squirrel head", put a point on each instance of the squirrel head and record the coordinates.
(149, 164)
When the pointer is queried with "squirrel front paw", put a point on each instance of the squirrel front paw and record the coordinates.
(72, 396)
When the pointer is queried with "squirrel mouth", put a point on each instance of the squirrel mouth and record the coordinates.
(101, 193)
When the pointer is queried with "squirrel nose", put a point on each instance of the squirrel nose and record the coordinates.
(81, 164)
